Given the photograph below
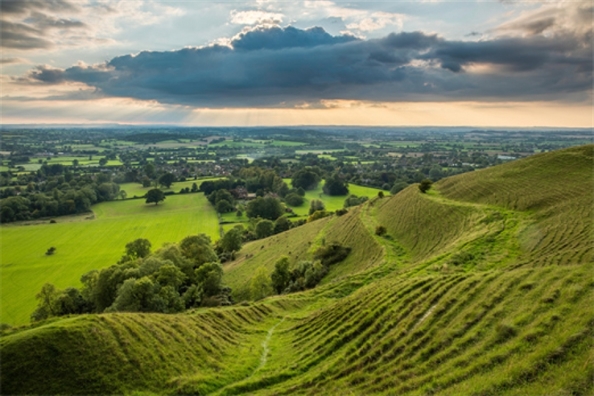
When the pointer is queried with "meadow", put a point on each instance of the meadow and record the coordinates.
(332, 203)
(86, 244)
(136, 189)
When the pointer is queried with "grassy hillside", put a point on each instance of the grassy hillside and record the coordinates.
(89, 244)
(457, 298)
(557, 188)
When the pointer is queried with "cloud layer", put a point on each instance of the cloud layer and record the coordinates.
(270, 66)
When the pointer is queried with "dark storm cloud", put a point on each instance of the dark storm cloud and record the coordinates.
(25, 23)
(282, 67)
(24, 6)
(21, 36)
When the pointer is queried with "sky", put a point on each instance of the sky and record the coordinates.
(312, 62)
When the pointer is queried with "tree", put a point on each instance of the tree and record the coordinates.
(316, 205)
(306, 179)
(210, 275)
(294, 199)
(198, 248)
(139, 248)
(166, 180)
(50, 251)
(47, 303)
(397, 187)
(123, 194)
(281, 224)
(149, 170)
(260, 285)
(231, 241)
(335, 186)
(267, 208)
(194, 187)
(155, 195)
(170, 275)
(264, 228)
(425, 185)
(224, 206)
(281, 276)
(75, 162)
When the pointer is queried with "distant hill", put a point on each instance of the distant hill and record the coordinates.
(482, 286)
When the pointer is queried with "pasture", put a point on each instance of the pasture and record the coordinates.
(136, 189)
(85, 245)
(332, 203)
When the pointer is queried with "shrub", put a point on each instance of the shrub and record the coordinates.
(50, 251)
(380, 230)
(353, 200)
(425, 185)
(318, 214)
(332, 253)
(341, 212)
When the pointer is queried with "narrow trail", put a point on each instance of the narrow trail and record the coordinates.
(265, 349)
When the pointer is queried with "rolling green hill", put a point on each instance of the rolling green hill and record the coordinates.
(481, 287)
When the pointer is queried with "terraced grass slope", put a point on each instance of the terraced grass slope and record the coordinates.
(557, 188)
(452, 300)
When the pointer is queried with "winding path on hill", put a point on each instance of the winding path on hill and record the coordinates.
(265, 349)
(394, 253)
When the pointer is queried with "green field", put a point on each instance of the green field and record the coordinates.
(89, 244)
(332, 203)
(136, 189)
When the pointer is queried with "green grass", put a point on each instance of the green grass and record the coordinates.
(332, 203)
(90, 244)
(403, 314)
(136, 189)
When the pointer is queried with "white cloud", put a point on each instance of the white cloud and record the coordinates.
(378, 20)
(255, 17)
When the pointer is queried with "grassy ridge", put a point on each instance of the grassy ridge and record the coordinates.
(423, 226)
(90, 244)
(458, 298)
(128, 352)
(557, 188)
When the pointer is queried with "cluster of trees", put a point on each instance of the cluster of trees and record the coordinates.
(57, 195)
(222, 200)
(306, 274)
(353, 200)
(172, 279)
(307, 178)
(334, 185)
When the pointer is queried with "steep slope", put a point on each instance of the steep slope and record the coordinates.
(556, 188)
(459, 297)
